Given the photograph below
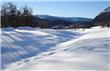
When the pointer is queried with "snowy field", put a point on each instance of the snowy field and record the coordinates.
(28, 49)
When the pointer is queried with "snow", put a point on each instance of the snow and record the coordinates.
(25, 28)
(8, 29)
(58, 50)
(25, 42)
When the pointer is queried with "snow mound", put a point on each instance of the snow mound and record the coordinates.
(8, 29)
(25, 28)
(18, 45)
(87, 53)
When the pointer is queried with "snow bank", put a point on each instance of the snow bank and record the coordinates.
(59, 50)
(8, 29)
(87, 53)
(25, 28)
(22, 43)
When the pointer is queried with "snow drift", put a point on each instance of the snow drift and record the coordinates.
(24, 42)
(89, 52)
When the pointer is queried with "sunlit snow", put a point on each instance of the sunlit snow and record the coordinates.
(63, 50)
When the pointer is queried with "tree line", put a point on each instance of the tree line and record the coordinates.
(11, 16)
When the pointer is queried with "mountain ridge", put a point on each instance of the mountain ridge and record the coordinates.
(63, 18)
(103, 19)
(62, 22)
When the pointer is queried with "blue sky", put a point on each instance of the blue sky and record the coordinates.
(51, 0)
(66, 8)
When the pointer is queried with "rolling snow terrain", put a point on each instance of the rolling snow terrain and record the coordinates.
(28, 49)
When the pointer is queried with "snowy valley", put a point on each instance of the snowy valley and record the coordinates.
(55, 36)
(30, 49)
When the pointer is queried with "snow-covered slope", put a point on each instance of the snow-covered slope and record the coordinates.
(24, 42)
(89, 52)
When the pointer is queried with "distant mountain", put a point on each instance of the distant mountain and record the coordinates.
(69, 19)
(47, 17)
(53, 21)
(65, 21)
(76, 19)
(103, 19)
